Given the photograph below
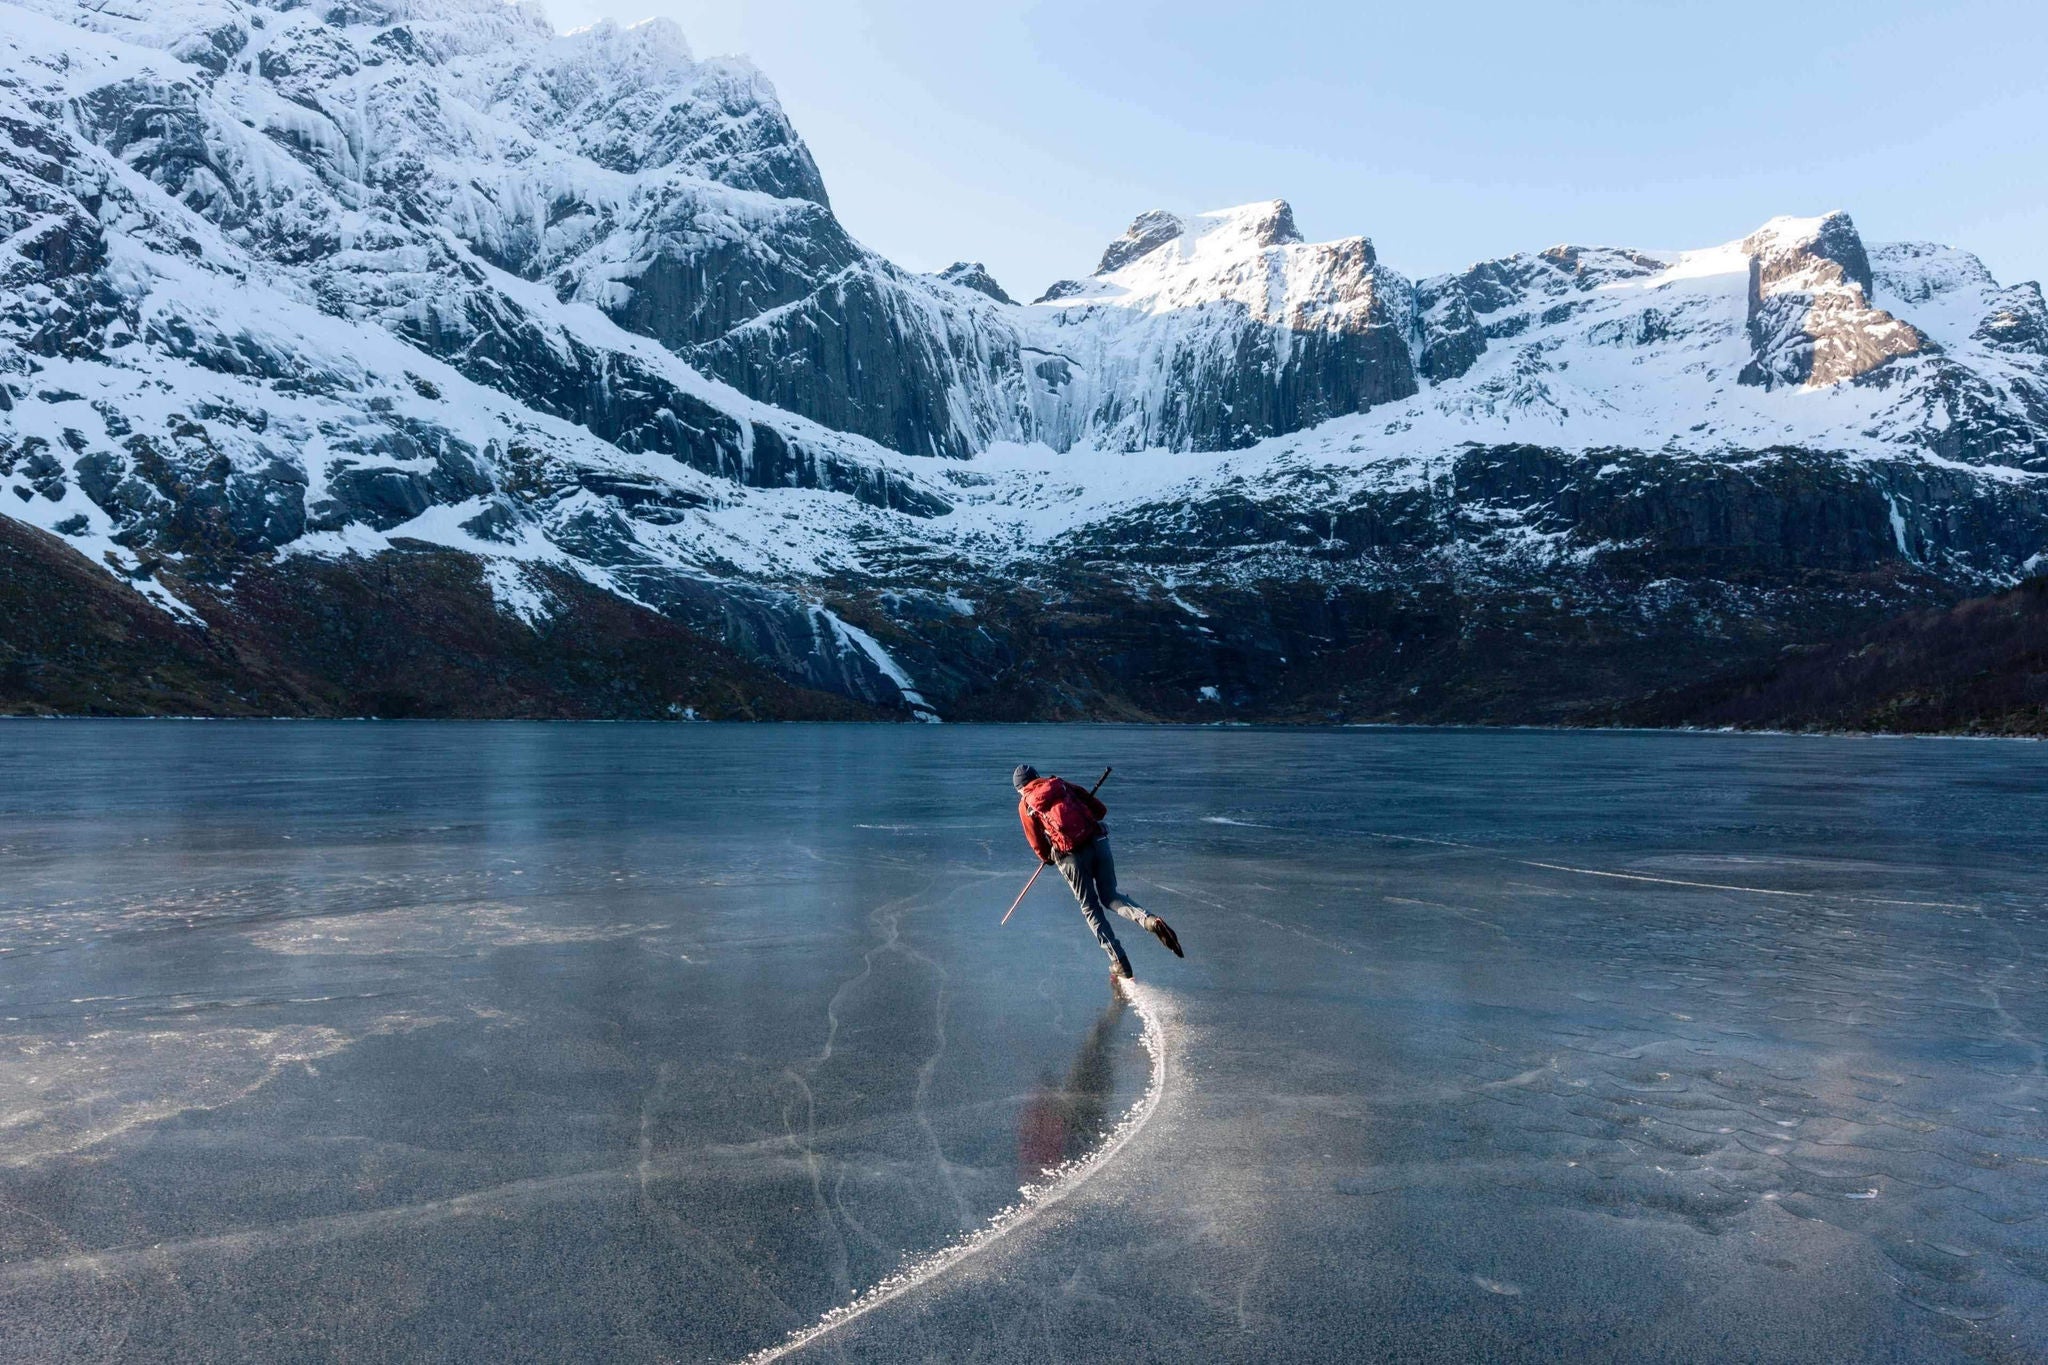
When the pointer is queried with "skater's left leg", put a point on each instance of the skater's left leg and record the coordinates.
(1105, 885)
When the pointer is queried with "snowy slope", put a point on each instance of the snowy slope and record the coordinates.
(253, 305)
(1582, 347)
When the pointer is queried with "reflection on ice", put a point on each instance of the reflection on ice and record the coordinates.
(1063, 1121)
(1055, 1186)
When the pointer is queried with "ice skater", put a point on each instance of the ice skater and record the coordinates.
(1063, 823)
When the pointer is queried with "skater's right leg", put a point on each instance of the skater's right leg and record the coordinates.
(1078, 868)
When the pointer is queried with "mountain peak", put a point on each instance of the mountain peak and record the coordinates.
(974, 275)
(1269, 222)
(1266, 223)
(1147, 233)
(1786, 245)
(1810, 317)
(655, 41)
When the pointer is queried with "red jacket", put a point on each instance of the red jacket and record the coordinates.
(1059, 816)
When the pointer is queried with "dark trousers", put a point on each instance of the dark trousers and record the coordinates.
(1091, 872)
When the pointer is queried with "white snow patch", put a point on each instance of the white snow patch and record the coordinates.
(1898, 525)
(853, 636)
(519, 593)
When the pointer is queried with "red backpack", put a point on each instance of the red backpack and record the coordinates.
(1066, 821)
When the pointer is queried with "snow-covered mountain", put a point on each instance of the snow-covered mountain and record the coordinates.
(287, 291)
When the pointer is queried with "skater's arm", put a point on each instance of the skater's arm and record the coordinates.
(1033, 833)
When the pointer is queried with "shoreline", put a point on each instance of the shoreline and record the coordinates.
(1288, 727)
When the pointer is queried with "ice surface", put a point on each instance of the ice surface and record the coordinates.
(535, 1043)
(495, 1044)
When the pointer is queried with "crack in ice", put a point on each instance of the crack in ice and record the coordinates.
(1033, 1200)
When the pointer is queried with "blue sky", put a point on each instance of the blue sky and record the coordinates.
(1028, 135)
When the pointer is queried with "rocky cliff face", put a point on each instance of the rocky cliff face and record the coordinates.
(290, 290)
(1810, 318)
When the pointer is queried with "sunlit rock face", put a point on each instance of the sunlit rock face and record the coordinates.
(1810, 318)
(308, 284)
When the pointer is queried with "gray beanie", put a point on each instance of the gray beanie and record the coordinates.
(1023, 773)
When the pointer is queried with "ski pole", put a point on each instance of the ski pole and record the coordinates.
(1041, 867)
(1021, 895)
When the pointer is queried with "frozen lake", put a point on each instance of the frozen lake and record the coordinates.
(540, 1043)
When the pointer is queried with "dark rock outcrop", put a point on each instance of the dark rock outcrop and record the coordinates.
(409, 634)
(974, 275)
(627, 403)
(1456, 315)
(1449, 339)
(856, 355)
(2018, 321)
(1979, 667)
